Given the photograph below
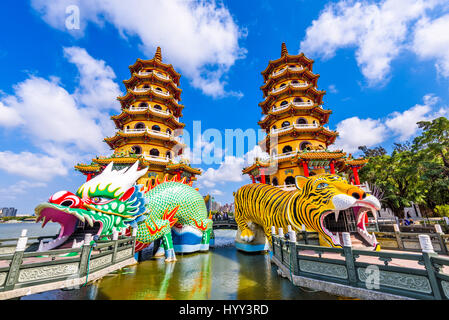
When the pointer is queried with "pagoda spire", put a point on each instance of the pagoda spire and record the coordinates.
(284, 51)
(158, 54)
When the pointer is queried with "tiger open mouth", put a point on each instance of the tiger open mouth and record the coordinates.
(74, 225)
(349, 218)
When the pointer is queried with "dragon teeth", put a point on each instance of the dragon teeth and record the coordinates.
(89, 220)
(80, 217)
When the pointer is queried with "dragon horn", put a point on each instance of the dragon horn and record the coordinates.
(108, 168)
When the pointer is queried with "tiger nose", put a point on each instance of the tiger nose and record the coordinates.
(359, 195)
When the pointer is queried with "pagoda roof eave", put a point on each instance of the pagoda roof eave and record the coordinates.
(184, 167)
(131, 97)
(136, 79)
(255, 165)
(119, 136)
(315, 108)
(155, 63)
(287, 59)
(126, 113)
(289, 74)
(87, 168)
(316, 94)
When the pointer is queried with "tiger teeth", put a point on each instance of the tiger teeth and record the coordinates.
(336, 215)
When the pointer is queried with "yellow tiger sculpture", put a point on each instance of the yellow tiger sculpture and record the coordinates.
(317, 198)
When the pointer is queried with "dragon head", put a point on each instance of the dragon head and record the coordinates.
(110, 201)
(330, 205)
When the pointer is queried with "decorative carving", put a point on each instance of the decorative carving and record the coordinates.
(99, 262)
(399, 280)
(45, 272)
(322, 268)
(124, 253)
(3, 278)
(444, 285)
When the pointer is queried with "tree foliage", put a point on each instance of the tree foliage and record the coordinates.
(417, 171)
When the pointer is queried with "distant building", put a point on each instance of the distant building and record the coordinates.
(8, 212)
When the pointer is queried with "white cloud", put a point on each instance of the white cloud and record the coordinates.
(332, 88)
(21, 187)
(36, 166)
(355, 132)
(431, 41)
(9, 117)
(403, 124)
(50, 114)
(65, 126)
(97, 88)
(216, 192)
(231, 169)
(198, 37)
(378, 31)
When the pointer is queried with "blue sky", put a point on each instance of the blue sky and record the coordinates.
(384, 65)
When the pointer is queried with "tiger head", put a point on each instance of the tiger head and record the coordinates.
(321, 202)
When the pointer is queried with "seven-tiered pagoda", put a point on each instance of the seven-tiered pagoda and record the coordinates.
(293, 115)
(148, 125)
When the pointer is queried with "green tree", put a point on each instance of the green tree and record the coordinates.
(395, 175)
(432, 160)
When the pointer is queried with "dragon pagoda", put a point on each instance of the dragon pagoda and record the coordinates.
(148, 127)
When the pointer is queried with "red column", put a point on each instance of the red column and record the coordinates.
(89, 176)
(356, 175)
(331, 165)
(262, 176)
(252, 178)
(178, 174)
(306, 168)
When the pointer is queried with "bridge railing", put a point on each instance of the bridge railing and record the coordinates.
(60, 268)
(409, 241)
(423, 275)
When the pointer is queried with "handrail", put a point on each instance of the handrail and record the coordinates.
(423, 278)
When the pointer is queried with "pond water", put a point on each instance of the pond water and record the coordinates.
(223, 273)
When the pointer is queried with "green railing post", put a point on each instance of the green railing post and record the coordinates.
(16, 262)
(349, 258)
(428, 253)
(293, 252)
(397, 233)
(273, 234)
(134, 235)
(304, 234)
(281, 238)
(440, 232)
(84, 257)
(115, 245)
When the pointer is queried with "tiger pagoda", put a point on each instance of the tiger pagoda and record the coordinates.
(294, 120)
(149, 126)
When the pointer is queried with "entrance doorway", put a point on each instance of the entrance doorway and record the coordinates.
(346, 221)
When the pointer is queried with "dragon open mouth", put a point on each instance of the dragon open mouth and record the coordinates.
(351, 219)
(74, 225)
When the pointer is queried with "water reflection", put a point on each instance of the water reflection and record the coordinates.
(223, 273)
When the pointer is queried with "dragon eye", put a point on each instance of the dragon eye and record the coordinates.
(101, 200)
(322, 185)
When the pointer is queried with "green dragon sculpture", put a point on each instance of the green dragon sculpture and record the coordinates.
(113, 202)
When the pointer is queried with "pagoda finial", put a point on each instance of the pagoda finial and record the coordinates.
(158, 54)
(284, 51)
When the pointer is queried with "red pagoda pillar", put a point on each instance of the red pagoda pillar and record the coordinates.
(332, 167)
(262, 175)
(252, 178)
(305, 168)
(356, 175)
